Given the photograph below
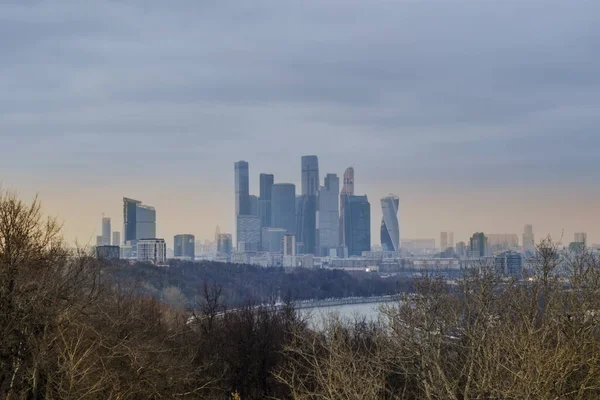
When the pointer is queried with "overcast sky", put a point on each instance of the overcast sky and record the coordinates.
(480, 115)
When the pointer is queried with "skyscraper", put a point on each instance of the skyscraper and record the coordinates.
(184, 246)
(528, 240)
(444, 240)
(347, 190)
(254, 205)
(306, 208)
(357, 224)
(139, 221)
(283, 207)
(248, 233)
(328, 214)
(224, 244)
(106, 231)
(390, 228)
(264, 207)
(116, 238)
(478, 245)
(152, 250)
(242, 188)
(310, 175)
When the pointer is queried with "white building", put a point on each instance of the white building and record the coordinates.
(152, 250)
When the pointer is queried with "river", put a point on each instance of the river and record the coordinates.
(369, 311)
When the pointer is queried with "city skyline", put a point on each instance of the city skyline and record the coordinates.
(463, 114)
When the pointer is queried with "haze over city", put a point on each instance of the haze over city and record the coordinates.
(480, 116)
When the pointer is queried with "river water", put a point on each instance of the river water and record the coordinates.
(368, 311)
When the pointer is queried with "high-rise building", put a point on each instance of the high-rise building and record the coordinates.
(528, 240)
(272, 239)
(106, 231)
(347, 190)
(283, 207)
(581, 237)
(390, 228)
(108, 252)
(478, 245)
(509, 263)
(357, 224)
(254, 205)
(264, 206)
(139, 221)
(446, 240)
(248, 233)
(306, 222)
(461, 250)
(310, 175)
(288, 248)
(217, 233)
(225, 244)
(328, 215)
(116, 238)
(242, 188)
(184, 246)
(152, 250)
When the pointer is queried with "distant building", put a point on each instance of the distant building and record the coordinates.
(306, 222)
(139, 221)
(272, 239)
(288, 247)
(528, 240)
(152, 250)
(248, 232)
(581, 237)
(116, 238)
(390, 228)
(310, 175)
(478, 245)
(184, 246)
(501, 242)
(254, 209)
(461, 250)
(225, 245)
(106, 231)
(99, 241)
(328, 233)
(347, 190)
(242, 188)
(108, 252)
(357, 224)
(446, 240)
(283, 207)
(509, 263)
(418, 245)
(264, 201)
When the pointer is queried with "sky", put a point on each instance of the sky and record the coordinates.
(480, 115)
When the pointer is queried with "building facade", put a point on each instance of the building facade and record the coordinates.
(106, 231)
(328, 216)
(347, 190)
(108, 252)
(283, 207)
(242, 188)
(248, 233)
(139, 221)
(152, 250)
(357, 224)
(264, 206)
(184, 246)
(116, 238)
(225, 244)
(478, 246)
(390, 227)
(272, 239)
(528, 240)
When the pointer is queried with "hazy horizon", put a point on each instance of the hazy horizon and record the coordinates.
(480, 116)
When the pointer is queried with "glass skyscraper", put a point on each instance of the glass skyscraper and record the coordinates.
(328, 214)
(264, 201)
(184, 246)
(347, 190)
(283, 207)
(390, 228)
(306, 224)
(357, 224)
(242, 188)
(139, 221)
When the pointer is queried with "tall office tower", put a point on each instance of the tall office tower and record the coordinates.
(152, 250)
(254, 205)
(248, 233)
(283, 207)
(461, 249)
(139, 221)
(478, 245)
(347, 190)
(581, 237)
(310, 175)
(242, 188)
(116, 238)
(306, 222)
(105, 231)
(288, 248)
(328, 215)
(264, 202)
(450, 239)
(528, 240)
(184, 246)
(444, 240)
(217, 233)
(225, 244)
(390, 228)
(357, 224)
